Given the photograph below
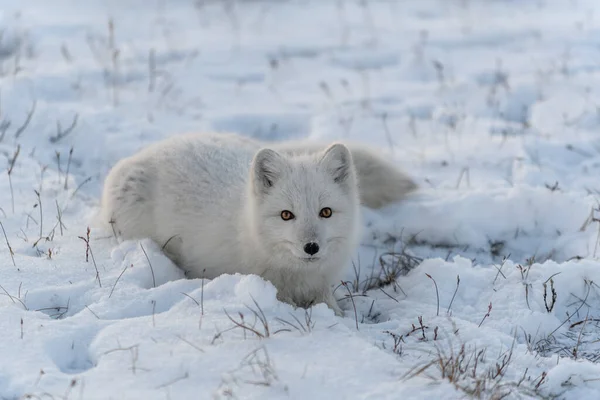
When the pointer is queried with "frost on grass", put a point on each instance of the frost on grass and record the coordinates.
(484, 284)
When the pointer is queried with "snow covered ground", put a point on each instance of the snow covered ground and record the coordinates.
(485, 283)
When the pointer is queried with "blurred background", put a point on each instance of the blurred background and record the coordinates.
(466, 95)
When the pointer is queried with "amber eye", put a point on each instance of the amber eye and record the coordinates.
(325, 212)
(287, 215)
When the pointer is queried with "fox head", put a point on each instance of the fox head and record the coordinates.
(305, 207)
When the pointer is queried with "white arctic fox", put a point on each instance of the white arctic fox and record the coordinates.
(222, 203)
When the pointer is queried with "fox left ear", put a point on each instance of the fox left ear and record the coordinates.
(267, 167)
(338, 161)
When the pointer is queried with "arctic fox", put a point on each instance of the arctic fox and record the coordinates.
(223, 203)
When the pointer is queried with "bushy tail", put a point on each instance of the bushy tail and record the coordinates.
(380, 181)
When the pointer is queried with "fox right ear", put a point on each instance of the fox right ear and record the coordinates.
(267, 167)
(338, 161)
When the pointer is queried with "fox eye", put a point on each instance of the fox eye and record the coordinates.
(287, 215)
(325, 212)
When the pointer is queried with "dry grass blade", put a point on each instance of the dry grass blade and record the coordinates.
(191, 298)
(244, 326)
(81, 185)
(260, 315)
(8, 294)
(41, 214)
(22, 128)
(11, 166)
(117, 281)
(486, 314)
(437, 294)
(60, 133)
(88, 252)
(68, 168)
(454, 295)
(150, 264)
(345, 284)
(10, 250)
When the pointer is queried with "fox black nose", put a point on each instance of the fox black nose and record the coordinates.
(311, 248)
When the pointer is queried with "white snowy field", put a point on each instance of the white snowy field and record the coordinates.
(484, 284)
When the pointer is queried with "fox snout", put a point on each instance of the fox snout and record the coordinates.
(311, 248)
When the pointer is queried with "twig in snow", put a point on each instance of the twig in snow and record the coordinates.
(242, 324)
(117, 281)
(173, 381)
(389, 295)
(11, 166)
(60, 133)
(202, 293)
(90, 310)
(454, 295)
(4, 125)
(388, 136)
(22, 128)
(191, 298)
(8, 294)
(10, 250)
(88, 252)
(464, 172)
(598, 236)
(59, 218)
(190, 343)
(150, 264)
(576, 349)
(573, 325)
(80, 185)
(550, 307)
(12, 298)
(68, 167)
(437, 294)
(486, 315)
(153, 312)
(58, 164)
(499, 269)
(41, 215)
(201, 301)
(345, 284)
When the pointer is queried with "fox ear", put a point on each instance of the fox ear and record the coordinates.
(267, 167)
(338, 161)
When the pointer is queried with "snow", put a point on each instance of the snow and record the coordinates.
(489, 275)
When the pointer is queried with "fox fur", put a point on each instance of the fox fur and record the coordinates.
(216, 203)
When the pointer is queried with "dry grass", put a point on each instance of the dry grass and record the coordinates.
(470, 373)
(256, 368)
